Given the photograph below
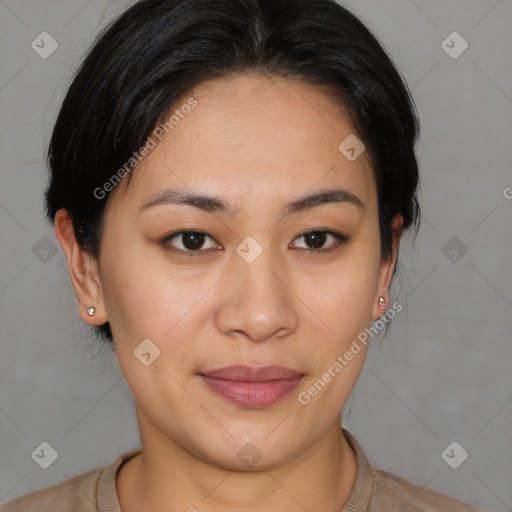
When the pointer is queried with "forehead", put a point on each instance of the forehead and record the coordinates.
(253, 137)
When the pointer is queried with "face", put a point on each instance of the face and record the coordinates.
(262, 276)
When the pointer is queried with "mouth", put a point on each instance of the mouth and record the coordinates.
(252, 387)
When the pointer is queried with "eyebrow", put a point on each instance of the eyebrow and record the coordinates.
(214, 204)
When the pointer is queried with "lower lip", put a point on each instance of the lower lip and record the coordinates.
(252, 394)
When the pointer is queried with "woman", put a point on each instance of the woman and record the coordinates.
(230, 181)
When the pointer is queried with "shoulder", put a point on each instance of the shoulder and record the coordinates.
(77, 494)
(87, 492)
(393, 490)
(377, 490)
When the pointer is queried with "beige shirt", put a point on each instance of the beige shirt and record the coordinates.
(374, 490)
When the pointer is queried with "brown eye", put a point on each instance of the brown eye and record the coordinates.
(188, 242)
(193, 241)
(315, 240)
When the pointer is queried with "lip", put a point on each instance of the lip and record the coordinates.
(240, 372)
(253, 387)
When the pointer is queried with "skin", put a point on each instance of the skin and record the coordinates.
(258, 144)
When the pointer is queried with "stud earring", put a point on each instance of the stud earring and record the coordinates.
(91, 310)
(381, 302)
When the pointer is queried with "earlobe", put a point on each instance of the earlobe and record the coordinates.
(82, 270)
(92, 315)
(379, 307)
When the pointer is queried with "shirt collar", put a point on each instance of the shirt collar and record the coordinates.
(362, 492)
(106, 492)
(358, 501)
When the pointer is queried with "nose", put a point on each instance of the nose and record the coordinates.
(258, 301)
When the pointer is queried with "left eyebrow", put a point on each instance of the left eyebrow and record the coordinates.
(214, 204)
(323, 197)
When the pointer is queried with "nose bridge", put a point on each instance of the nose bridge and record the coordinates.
(257, 303)
(254, 259)
(260, 281)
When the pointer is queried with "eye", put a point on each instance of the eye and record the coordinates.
(189, 242)
(192, 243)
(315, 240)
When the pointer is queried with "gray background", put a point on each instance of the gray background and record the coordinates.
(442, 373)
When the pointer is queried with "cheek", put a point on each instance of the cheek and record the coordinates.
(146, 296)
(145, 305)
(344, 295)
(338, 342)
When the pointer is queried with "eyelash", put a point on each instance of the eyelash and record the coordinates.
(340, 240)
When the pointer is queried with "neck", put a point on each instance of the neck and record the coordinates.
(166, 477)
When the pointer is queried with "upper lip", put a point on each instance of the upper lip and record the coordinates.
(245, 373)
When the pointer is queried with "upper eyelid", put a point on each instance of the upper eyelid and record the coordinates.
(315, 230)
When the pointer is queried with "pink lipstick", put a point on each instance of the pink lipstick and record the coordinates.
(254, 387)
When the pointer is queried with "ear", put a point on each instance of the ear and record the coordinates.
(386, 269)
(83, 270)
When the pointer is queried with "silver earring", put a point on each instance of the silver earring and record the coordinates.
(381, 302)
(91, 310)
